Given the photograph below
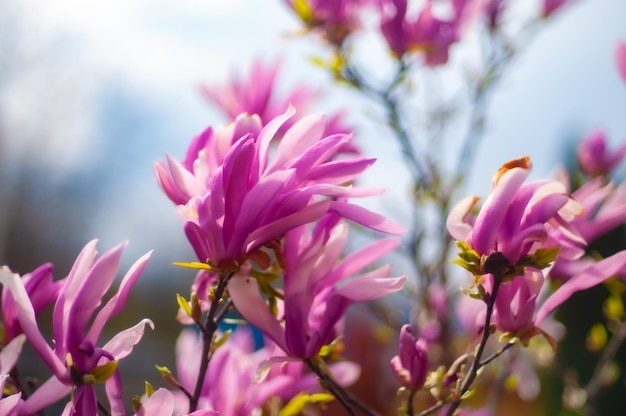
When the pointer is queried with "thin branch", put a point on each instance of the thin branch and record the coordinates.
(476, 362)
(409, 402)
(208, 330)
(347, 400)
(595, 385)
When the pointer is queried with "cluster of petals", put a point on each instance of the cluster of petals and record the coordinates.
(319, 286)
(425, 32)
(594, 157)
(411, 364)
(239, 381)
(517, 218)
(235, 197)
(76, 331)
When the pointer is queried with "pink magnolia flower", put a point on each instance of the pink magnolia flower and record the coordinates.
(41, 290)
(411, 365)
(425, 33)
(75, 359)
(318, 287)
(238, 198)
(517, 219)
(335, 19)
(594, 158)
(256, 94)
(620, 58)
(240, 380)
(8, 358)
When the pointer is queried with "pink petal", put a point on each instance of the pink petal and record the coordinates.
(26, 316)
(358, 260)
(118, 301)
(620, 59)
(244, 291)
(46, 394)
(282, 225)
(458, 221)
(363, 288)
(122, 344)
(589, 277)
(89, 295)
(9, 404)
(506, 183)
(302, 135)
(10, 353)
(366, 218)
(160, 403)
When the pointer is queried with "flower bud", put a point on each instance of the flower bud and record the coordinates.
(411, 365)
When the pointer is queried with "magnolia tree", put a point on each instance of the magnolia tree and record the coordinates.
(267, 203)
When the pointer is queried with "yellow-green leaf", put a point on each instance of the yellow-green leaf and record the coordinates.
(297, 404)
(104, 372)
(184, 305)
(194, 265)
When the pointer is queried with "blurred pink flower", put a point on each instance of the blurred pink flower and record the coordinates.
(620, 58)
(318, 287)
(594, 158)
(241, 379)
(424, 33)
(335, 19)
(237, 198)
(256, 94)
(550, 6)
(411, 365)
(75, 357)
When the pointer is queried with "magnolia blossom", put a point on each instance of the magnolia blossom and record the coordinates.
(594, 158)
(336, 19)
(425, 32)
(411, 365)
(41, 290)
(517, 219)
(237, 198)
(256, 94)
(75, 359)
(241, 380)
(318, 287)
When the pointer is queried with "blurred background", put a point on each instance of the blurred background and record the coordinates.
(91, 93)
